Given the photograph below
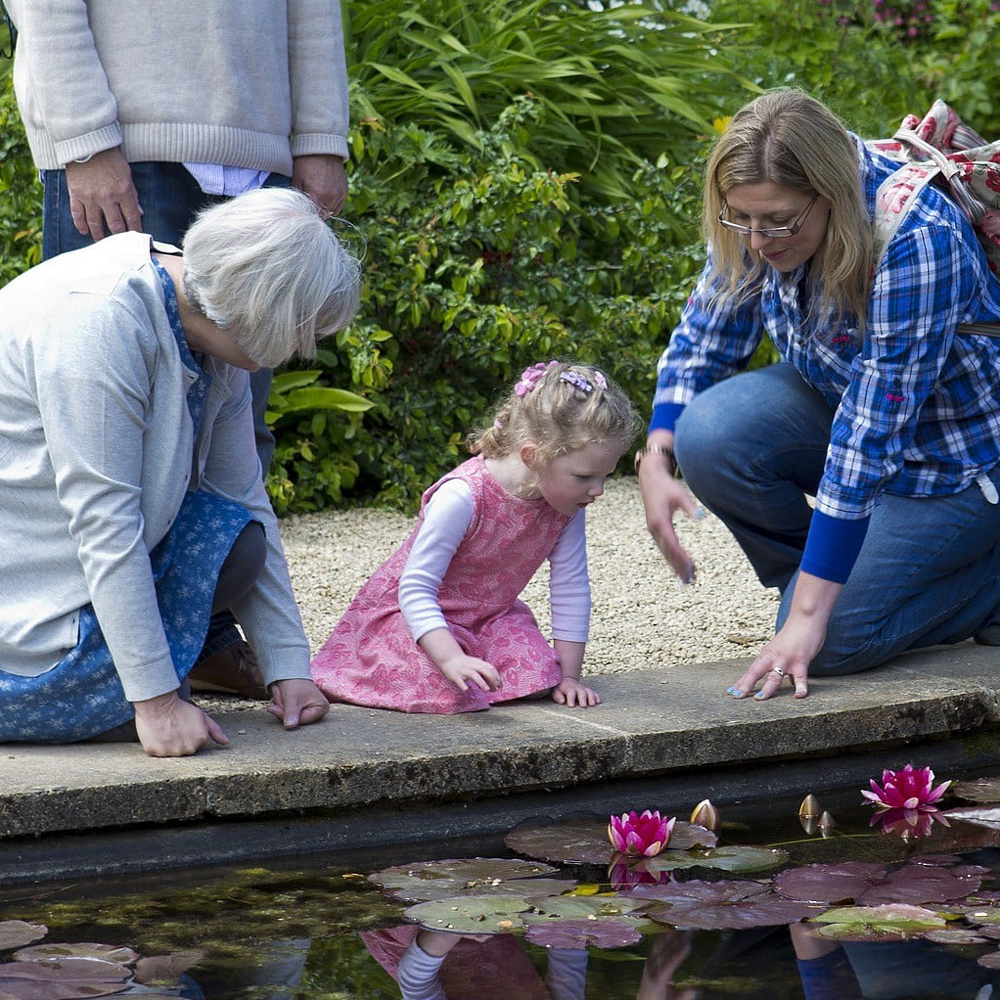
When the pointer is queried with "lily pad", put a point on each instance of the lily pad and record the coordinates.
(955, 935)
(727, 859)
(471, 914)
(894, 922)
(921, 885)
(467, 876)
(62, 979)
(18, 933)
(986, 816)
(980, 790)
(581, 934)
(584, 840)
(821, 883)
(722, 905)
(552, 908)
(102, 952)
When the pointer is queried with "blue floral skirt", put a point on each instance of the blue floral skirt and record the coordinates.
(81, 696)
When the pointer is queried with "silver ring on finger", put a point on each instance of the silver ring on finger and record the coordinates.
(778, 671)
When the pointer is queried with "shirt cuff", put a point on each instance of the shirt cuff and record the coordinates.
(665, 416)
(832, 546)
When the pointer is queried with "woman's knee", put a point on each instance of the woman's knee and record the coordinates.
(242, 566)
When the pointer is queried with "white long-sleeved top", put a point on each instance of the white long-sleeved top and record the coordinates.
(446, 519)
(97, 450)
(249, 84)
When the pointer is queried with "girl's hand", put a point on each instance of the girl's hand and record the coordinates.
(297, 702)
(463, 669)
(169, 727)
(570, 692)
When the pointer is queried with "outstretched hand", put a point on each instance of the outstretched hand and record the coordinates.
(170, 727)
(662, 496)
(297, 702)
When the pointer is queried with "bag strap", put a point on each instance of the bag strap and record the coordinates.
(897, 194)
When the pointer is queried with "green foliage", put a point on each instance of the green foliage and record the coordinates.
(616, 86)
(20, 192)
(478, 264)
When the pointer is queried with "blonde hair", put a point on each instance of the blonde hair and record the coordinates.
(790, 139)
(266, 266)
(560, 407)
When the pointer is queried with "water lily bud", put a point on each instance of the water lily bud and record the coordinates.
(809, 824)
(826, 825)
(810, 806)
(706, 815)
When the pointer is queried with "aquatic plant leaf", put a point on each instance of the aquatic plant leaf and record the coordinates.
(28, 989)
(728, 859)
(584, 840)
(990, 960)
(823, 883)
(987, 816)
(18, 933)
(983, 790)
(722, 905)
(894, 922)
(581, 934)
(466, 876)
(581, 908)
(471, 914)
(104, 952)
(955, 935)
(166, 968)
(920, 885)
(64, 969)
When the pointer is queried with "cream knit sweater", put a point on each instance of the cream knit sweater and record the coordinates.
(247, 84)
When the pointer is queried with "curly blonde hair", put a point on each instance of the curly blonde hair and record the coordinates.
(790, 139)
(560, 407)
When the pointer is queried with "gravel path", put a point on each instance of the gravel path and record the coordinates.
(642, 615)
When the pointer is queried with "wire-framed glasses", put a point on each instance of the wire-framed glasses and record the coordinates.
(774, 232)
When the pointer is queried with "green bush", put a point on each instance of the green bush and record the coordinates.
(20, 192)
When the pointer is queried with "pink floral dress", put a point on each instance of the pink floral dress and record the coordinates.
(371, 658)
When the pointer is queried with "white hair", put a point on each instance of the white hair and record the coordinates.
(267, 267)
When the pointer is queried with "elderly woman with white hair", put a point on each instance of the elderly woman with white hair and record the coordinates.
(131, 500)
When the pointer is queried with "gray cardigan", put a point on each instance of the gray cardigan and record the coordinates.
(97, 449)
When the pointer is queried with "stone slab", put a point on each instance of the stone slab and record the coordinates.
(653, 724)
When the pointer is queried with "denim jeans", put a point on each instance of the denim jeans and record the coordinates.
(170, 199)
(753, 447)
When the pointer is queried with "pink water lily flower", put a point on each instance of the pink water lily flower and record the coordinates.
(910, 788)
(646, 834)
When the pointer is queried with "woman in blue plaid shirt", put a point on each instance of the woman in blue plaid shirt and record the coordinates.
(879, 409)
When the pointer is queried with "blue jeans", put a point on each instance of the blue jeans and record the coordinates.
(170, 199)
(752, 447)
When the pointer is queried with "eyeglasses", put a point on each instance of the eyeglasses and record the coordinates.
(775, 232)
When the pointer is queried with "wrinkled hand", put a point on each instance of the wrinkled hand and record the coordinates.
(101, 193)
(169, 727)
(662, 497)
(790, 651)
(570, 692)
(462, 669)
(323, 178)
(297, 702)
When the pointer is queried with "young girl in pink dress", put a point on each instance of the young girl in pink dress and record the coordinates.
(439, 627)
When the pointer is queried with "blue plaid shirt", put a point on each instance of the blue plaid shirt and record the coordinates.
(917, 407)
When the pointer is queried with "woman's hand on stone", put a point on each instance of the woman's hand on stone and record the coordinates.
(170, 727)
(297, 702)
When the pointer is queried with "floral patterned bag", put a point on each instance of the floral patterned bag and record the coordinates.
(941, 148)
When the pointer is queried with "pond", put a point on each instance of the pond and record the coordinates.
(827, 901)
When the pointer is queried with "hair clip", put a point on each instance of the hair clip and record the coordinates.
(579, 381)
(531, 375)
